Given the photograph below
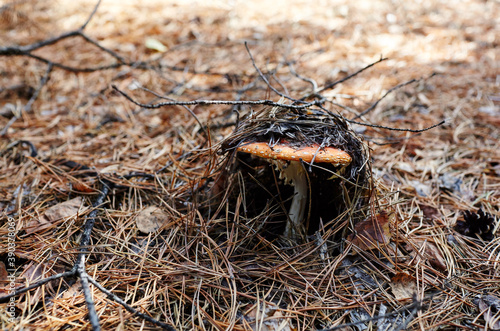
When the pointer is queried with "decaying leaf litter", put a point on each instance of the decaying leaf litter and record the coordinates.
(220, 272)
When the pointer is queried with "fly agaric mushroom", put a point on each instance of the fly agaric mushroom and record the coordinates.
(287, 160)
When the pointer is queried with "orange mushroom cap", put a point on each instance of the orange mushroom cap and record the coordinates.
(283, 151)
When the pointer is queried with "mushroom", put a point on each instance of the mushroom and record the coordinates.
(287, 159)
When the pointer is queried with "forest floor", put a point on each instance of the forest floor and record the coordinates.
(436, 264)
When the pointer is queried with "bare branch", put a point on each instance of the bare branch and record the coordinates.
(387, 127)
(28, 49)
(397, 129)
(266, 80)
(129, 308)
(333, 84)
(366, 111)
(185, 107)
(35, 285)
(84, 278)
(84, 25)
(43, 81)
(218, 102)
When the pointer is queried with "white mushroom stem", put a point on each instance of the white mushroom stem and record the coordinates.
(294, 174)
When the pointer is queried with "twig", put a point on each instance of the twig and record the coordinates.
(23, 50)
(79, 267)
(266, 80)
(366, 111)
(333, 84)
(390, 140)
(306, 79)
(129, 308)
(89, 224)
(79, 270)
(389, 128)
(37, 284)
(84, 25)
(93, 317)
(43, 81)
(73, 69)
(218, 102)
(397, 129)
(203, 127)
(28, 49)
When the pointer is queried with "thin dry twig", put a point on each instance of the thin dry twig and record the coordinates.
(340, 81)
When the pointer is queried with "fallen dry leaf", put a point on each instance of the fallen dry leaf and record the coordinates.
(431, 254)
(31, 274)
(268, 319)
(150, 219)
(3, 279)
(436, 258)
(3, 272)
(56, 214)
(372, 232)
(73, 291)
(81, 187)
(490, 305)
(403, 286)
(429, 212)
